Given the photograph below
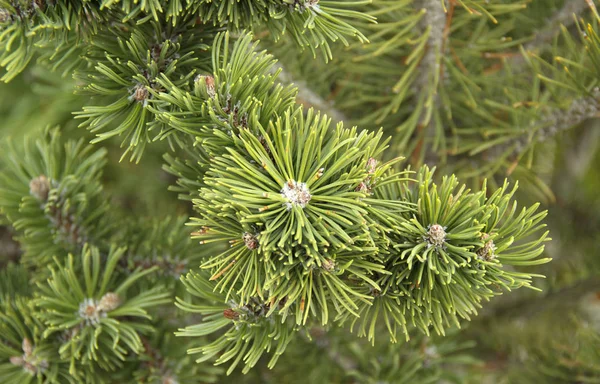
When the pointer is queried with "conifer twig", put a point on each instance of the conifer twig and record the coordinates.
(529, 307)
(563, 16)
(322, 341)
(308, 97)
(552, 123)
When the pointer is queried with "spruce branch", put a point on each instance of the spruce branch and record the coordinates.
(127, 88)
(456, 245)
(313, 220)
(574, 82)
(165, 360)
(311, 23)
(249, 331)
(223, 101)
(300, 222)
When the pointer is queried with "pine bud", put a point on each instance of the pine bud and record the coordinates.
(487, 251)
(436, 235)
(250, 240)
(89, 311)
(320, 173)
(30, 368)
(363, 187)
(302, 5)
(27, 347)
(4, 15)
(296, 194)
(374, 292)
(109, 302)
(17, 360)
(169, 380)
(231, 314)
(372, 165)
(206, 85)
(328, 265)
(140, 93)
(39, 188)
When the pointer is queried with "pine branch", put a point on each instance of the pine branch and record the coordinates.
(307, 96)
(550, 124)
(530, 307)
(322, 340)
(564, 16)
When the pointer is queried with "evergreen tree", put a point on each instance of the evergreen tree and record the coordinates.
(346, 206)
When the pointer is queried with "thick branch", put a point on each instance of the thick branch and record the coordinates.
(435, 20)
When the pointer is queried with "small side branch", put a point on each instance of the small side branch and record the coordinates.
(321, 339)
(9, 248)
(308, 97)
(543, 37)
(554, 122)
(563, 16)
(528, 308)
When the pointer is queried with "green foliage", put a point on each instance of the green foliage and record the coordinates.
(14, 281)
(53, 28)
(240, 93)
(125, 87)
(455, 250)
(299, 232)
(316, 224)
(162, 243)
(294, 215)
(51, 193)
(312, 24)
(96, 313)
(24, 357)
(577, 357)
(249, 332)
(165, 358)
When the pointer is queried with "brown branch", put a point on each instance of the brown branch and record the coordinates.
(9, 248)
